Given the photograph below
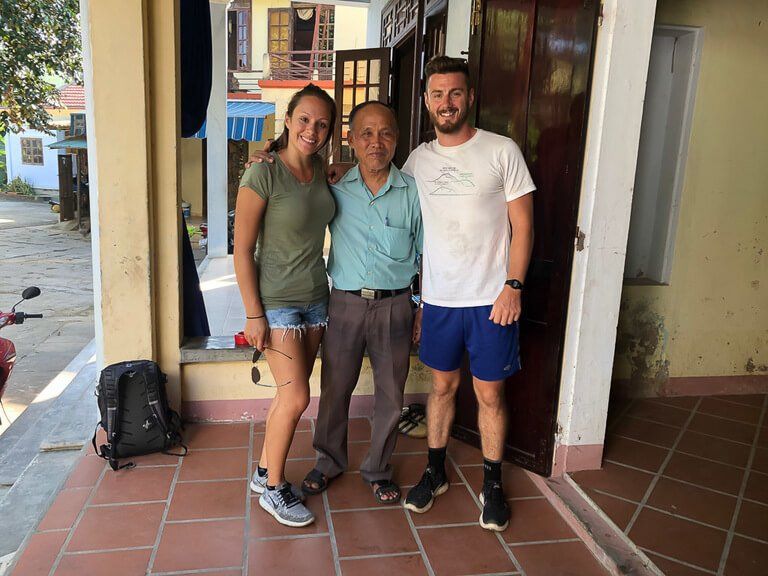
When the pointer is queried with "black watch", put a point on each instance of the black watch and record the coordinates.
(514, 283)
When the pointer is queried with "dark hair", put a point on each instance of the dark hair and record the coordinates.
(308, 90)
(446, 65)
(367, 103)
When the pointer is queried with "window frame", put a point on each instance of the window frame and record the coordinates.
(31, 149)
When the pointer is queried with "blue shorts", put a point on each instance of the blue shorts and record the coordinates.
(494, 350)
(298, 317)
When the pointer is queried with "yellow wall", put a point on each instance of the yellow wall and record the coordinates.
(712, 320)
(259, 13)
(192, 173)
(232, 380)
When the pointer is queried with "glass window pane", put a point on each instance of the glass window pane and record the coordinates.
(362, 69)
(375, 70)
(348, 67)
(373, 93)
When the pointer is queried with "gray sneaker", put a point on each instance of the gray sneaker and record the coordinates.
(259, 484)
(285, 507)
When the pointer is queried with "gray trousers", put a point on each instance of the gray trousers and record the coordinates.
(383, 327)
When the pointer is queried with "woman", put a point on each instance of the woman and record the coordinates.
(286, 296)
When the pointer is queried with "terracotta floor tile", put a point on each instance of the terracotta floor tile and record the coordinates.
(762, 439)
(263, 525)
(368, 532)
(349, 491)
(40, 554)
(617, 510)
(198, 500)
(134, 485)
(86, 472)
(746, 558)
(673, 568)
(198, 545)
(721, 428)
(715, 407)
(110, 527)
(359, 429)
(685, 402)
(635, 454)
(535, 520)
(662, 413)
(646, 431)
(616, 409)
(65, 508)
(753, 521)
(514, 480)
(408, 444)
(718, 449)
(678, 538)
(616, 480)
(294, 556)
(408, 468)
(696, 503)
(746, 399)
(464, 550)
(453, 507)
(301, 447)
(386, 566)
(216, 435)
(760, 463)
(157, 459)
(562, 558)
(123, 563)
(705, 473)
(303, 425)
(463, 453)
(215, 464)
(757, 487)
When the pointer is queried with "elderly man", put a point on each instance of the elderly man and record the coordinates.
(375, 238)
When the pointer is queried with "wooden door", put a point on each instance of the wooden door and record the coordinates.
(361, 75)
(532, 63)
(279, 38)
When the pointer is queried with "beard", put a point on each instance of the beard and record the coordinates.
(449, 126)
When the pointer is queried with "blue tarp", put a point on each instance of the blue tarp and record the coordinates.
(245, 120)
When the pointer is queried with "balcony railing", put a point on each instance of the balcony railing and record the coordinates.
(302, 65)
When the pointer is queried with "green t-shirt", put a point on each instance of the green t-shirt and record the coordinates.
(290, 248)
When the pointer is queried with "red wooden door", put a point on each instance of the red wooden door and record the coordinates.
(532, 61)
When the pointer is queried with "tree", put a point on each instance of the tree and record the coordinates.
(39, 39)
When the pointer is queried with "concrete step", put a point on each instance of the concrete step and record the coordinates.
(61, 415)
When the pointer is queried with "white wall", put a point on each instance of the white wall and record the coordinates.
(45, 177)
(457, 33)
(351, 27)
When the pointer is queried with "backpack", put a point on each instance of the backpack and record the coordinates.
(135, 413)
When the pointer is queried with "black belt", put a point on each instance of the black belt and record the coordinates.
(371, 294)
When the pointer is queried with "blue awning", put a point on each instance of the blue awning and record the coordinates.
(245, 120)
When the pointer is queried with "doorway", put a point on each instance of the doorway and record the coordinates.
(531, 62)
(402, 95)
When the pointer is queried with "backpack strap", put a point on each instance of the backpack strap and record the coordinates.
(112, 376)
(169, 428)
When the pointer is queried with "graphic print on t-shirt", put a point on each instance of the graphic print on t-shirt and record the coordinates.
(452, 182)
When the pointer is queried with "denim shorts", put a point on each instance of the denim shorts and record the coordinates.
(298, 317)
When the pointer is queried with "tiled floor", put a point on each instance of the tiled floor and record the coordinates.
(196, 515)
(687, 480)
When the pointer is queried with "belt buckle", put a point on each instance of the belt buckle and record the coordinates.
(368, 293)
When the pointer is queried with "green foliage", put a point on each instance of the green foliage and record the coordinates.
(38, 39)
(18, 186)
(192, 230)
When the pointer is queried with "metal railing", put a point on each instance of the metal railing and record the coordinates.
(302, 65)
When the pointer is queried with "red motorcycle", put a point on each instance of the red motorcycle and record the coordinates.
(7, 349)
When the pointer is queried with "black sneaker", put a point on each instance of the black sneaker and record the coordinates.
(495, 514)
(421, 496)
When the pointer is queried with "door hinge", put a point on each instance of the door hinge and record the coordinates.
(580, 237)
(600, 15)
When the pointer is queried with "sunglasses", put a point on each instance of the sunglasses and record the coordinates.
(256, 374)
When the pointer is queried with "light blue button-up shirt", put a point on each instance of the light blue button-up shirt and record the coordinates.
(375, 239)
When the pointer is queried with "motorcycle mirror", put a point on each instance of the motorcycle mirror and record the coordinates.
(31, 292)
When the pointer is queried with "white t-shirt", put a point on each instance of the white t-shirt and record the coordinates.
(464, 192)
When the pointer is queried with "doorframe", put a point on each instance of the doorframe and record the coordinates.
(620, 68)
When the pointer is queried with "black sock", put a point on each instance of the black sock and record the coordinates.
(271, 487)
(491, 472)
(262, 471)
(437, 460)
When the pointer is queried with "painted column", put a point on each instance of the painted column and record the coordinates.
(622, 53)
(118, 147)
(216, 133)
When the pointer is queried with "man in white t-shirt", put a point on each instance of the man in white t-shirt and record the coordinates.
(477, 212)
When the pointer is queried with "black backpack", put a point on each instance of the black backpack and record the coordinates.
(135, 413)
